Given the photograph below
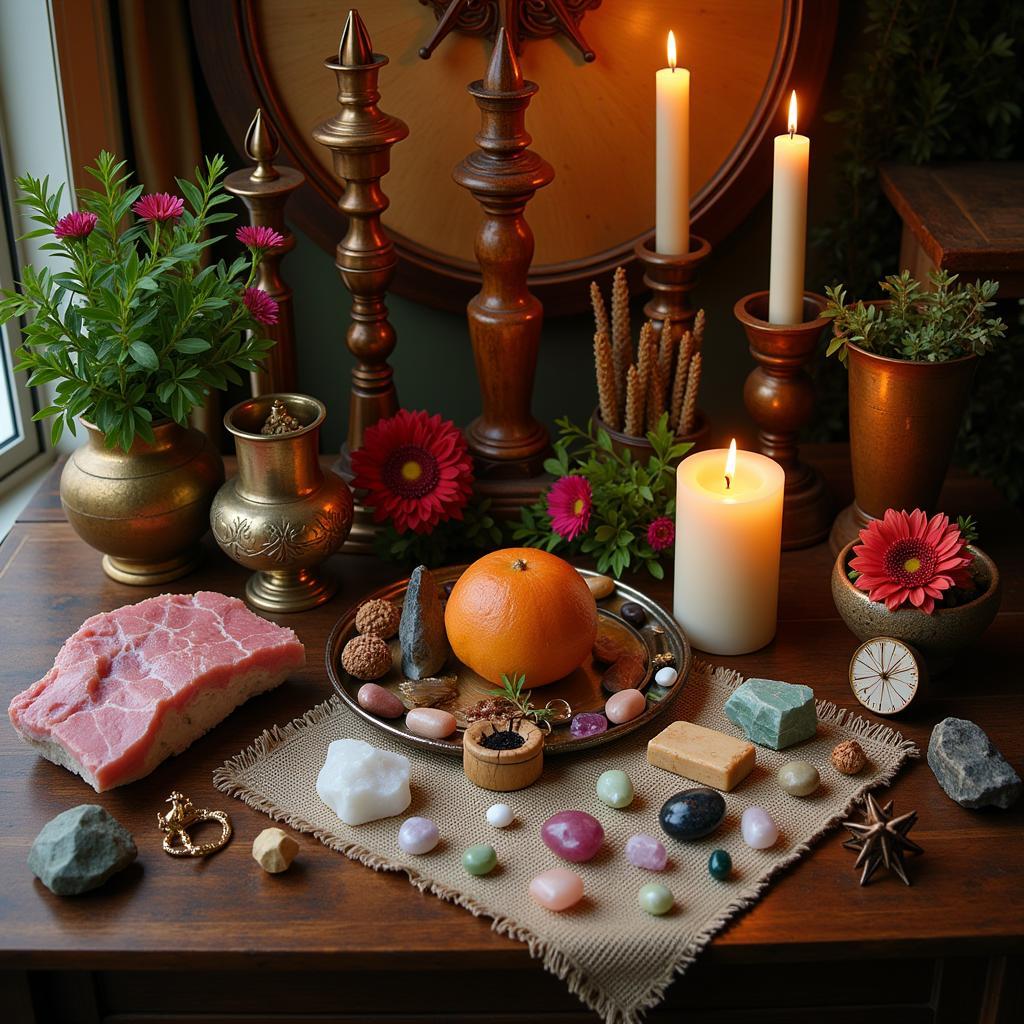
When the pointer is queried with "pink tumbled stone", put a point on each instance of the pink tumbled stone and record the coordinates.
(430, 722)
(646, 852)
(557, 889)
(573, 835)
(378, 701)
(624, 706)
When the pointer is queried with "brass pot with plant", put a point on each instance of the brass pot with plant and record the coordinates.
(911, 359)
(134, 334)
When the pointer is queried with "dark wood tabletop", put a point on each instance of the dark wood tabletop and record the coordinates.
(329, 914)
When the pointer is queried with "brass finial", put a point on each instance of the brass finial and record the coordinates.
(503, 74)
(261, 145)
(355, 49)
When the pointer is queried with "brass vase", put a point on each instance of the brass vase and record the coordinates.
(146, 509)
(282, 515)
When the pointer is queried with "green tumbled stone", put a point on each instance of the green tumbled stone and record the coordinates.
(615, 789)
(772, 713)
(480, 859)
(798, 778)
(720, 865)
(655, 898)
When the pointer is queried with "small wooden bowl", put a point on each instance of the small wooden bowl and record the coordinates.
(502, 771)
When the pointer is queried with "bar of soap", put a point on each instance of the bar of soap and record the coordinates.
(772, 713)
(361, 783)
(703, 755)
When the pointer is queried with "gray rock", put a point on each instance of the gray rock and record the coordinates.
(969, 768)
(80, 849)
(421, 632)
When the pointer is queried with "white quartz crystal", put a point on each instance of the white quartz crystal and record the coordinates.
(361, 783)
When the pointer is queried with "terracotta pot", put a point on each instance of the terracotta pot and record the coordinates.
(146, 509)
(502, 771)
(939, 636)
(640, 448)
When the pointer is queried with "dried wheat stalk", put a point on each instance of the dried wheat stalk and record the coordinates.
(679, 380)
(606, 394)
(688, 417)
(634, 421)
(647, 358)
(601, 325)
(699, 323)
(622, 332)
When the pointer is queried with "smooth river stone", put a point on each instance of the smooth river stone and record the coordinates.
(693, 813)
(418, 836)
(600, 586)
(646, 852)
(361, 783)
(588, 723)
(573, 835)
(374, 698)
(480, 859)
(557, 889)
(655, 899)
(624, 706)
(500, 815)
(759, 831)
(615, 788)
(772, 713)
(434, 723)
(798, 778)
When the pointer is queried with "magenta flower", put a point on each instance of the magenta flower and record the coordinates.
(159, 206)
(262, 307)
(569, 506)
(259, 237)
(661, 533)
(75, 225)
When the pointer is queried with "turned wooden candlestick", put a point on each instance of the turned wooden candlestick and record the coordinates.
(779, 396)
(504, 318)
(671, 279)
(265, 190)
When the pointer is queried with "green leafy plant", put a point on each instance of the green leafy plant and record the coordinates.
(512, 690)
(135, 330)
(477, 530)
(946, 322)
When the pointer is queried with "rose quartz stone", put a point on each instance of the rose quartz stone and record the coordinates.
(557, 889)
(573, 835)
(374, 698)
(624, 706)
(430, 722)
(759, 831)
(646, 852)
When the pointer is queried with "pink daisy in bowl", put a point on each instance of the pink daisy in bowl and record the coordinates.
(569, 501)
(908, 559)
(661, 533)
(77, 224)
(258, 236)
(159, 206)
(262, 306)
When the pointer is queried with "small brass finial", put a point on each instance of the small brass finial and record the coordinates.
(503, 74)
(355, 49)
(261, 145)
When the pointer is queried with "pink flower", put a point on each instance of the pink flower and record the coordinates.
(77, 224)
(661, 533)
(569, 506)
(262, 307)
(259, 237)
(910, 559)
(159, 206)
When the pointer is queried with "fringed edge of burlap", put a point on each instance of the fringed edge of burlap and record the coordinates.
(227, 780)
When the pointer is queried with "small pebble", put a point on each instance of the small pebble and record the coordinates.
(633, 613)
(720, 865)
(600, 586)
(274, 850)
(615, 789)
(666, 676)
(431, 722)
(557, 889)
(480, 859)
(624, 706)
(377, 700)
(588, 723)
(798, 778)
(500, 815)
(646, 852)
(848, 757)
(626, 674)
(417, 836)
(759, 831)
(655, 899)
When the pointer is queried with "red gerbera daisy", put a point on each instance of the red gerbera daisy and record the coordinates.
(258, 236)
(569, 501)
(77, 224)
(910, 559)
(159, 206)
(661, 533)
(415, 469)
(262, 307)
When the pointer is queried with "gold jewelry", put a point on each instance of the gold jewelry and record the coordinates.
(180, 818)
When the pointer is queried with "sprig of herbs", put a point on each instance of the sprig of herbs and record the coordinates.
(512, 691)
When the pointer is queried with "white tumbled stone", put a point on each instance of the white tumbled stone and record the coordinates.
(500, 815)
(361, 783)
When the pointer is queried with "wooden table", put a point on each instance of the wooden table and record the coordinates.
(218, 940)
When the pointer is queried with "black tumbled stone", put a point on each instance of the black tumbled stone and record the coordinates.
(693, 813)
(633, 613)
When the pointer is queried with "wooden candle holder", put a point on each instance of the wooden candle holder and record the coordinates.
(504, 318)
(779, 396)
(265, 190)
(671, 279)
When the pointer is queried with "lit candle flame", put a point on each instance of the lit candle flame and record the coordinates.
(792, 114)
(730, 464)
(672, 50)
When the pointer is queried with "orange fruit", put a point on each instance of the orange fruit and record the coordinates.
(521, 611)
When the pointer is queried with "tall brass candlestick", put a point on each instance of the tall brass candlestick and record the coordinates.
(265, 190)
(504, 318)
(360, 137)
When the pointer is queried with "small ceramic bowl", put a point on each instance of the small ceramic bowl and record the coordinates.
(939, 636)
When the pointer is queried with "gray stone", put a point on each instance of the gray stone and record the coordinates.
(969, 768)
(421, 632)
(80, 849)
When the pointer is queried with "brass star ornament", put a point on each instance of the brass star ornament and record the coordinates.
(881, 839)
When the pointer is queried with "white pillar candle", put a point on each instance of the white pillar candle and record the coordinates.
(672, 158)
(789, 224)
(728, 543)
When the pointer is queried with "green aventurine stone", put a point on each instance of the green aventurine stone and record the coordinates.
(720, 865)
(480, 859)
(655, 898)
(772, 713)
(615, 789)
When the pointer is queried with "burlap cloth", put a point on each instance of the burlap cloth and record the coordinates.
(617, 959)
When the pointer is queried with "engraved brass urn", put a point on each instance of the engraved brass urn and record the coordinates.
(282, 515)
